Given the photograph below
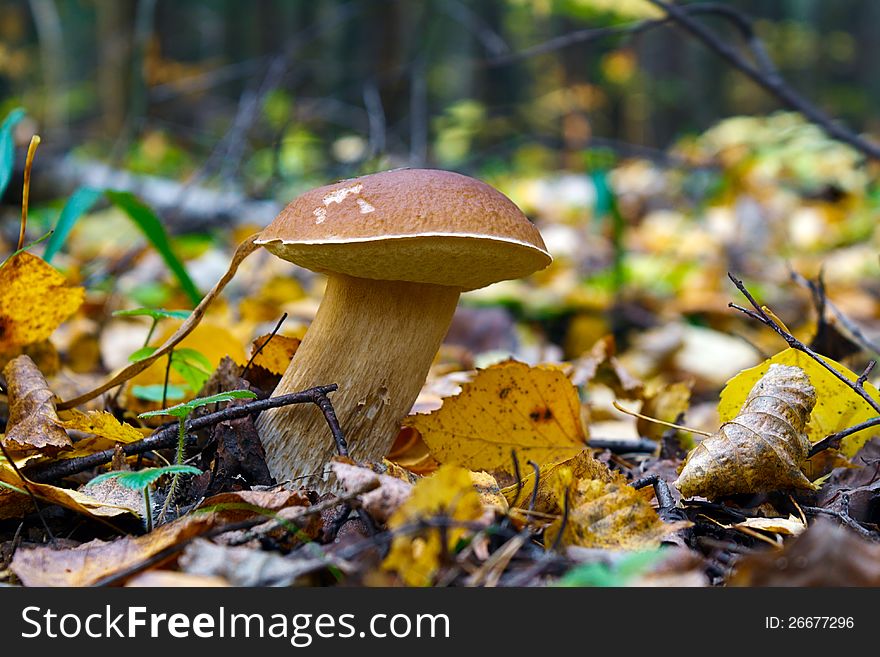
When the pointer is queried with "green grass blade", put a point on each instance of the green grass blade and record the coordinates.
(7, 147)
(80, 202)
(152, 228)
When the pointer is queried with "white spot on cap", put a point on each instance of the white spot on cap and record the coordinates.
(341, 194)
(366, 208)
(320, 215)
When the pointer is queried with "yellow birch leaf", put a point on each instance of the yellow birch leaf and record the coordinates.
(610, 515)
(34, 299)
(277, 354)
(102, 424)
(837, 406)
(449, 493)
(509, 406)
(555, 479)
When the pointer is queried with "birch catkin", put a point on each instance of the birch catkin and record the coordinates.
(762, 448)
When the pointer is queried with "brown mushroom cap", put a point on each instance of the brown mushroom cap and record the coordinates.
(417, 225)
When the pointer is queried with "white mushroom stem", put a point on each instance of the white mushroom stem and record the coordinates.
(376, 340)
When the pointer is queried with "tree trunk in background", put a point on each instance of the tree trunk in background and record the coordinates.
(114, 38)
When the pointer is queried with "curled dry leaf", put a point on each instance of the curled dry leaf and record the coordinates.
(762, 448)
(836, 408)
(26, 277)
(381, 502)
(509, 406)
(33, 422)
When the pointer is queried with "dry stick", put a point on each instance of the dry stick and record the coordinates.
(833, 440)
(769, 80)
(26, 189)
(242, 251)
(666, 508)
(167, 436)
(845, 518)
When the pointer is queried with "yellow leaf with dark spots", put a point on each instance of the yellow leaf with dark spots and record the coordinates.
(509, 406)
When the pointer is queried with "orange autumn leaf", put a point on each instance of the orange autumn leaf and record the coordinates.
(24, 280)
(509, 406)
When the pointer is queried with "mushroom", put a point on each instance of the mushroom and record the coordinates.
(398, 247)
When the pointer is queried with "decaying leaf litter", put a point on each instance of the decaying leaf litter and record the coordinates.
(515, 466)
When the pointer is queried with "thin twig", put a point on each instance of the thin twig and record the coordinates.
(263, 345)
(833, 441)
(167, 436)
(844, 518)
(761, 316)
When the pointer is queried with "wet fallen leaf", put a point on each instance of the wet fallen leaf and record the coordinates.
(26, 277)
(416, 555)
(837, 406)
(509, 406)
(33, 422)
(762, 448)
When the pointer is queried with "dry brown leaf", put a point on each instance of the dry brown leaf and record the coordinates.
(827, 554)
(90, 562)
(663, 404)
(509, 406)
(26, 278)
(602, 366)
(762, 448)
(33, 422)
(381, 502)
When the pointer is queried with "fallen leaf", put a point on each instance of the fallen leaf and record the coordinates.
(416, 555)
(509, 406)
(790, 526)
(276, 354)
(174, 579)
(762, 448)
(601, 365)
(837, 406)
(102, 424)
(611, 515)
(23, 279)
(827, 554)
(664, 404)
(33, 422)
(381, 502)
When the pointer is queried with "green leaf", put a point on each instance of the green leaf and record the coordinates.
(152, 228)
(193, 366)
(182, 410)
(140, 479)
(154, 392)
(140, 354)
(619, 574)
(7, 146)
(155, 313)
(80, 202)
